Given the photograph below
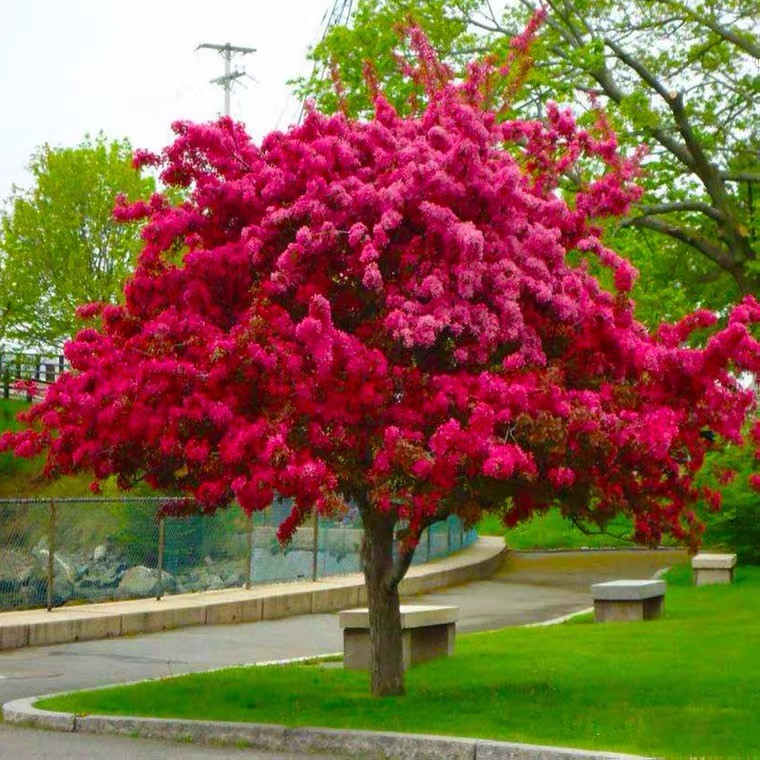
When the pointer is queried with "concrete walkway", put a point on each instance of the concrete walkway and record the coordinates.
(533, 587)
(528, 588)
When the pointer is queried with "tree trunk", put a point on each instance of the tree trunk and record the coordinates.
(386, 662)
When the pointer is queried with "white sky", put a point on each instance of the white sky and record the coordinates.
(69, 67)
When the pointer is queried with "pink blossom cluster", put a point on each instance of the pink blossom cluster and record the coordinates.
(387, 312)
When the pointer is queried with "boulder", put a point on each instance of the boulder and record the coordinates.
(63, 577)
(15, 564)
(141, 581)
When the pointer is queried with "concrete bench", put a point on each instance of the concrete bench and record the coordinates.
(426, 633)
(713, 568)
(623, 601)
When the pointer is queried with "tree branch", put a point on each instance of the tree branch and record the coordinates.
(740, 176)
(583, 529)
(405, 556)
(674, 101)
(747, 45)
(489, 28)
(717, 254)
(669, 208)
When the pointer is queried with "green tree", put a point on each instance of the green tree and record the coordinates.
(679, 76)
(59, 246)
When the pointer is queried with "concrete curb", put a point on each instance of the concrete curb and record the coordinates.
(379, 745)
(266, 602)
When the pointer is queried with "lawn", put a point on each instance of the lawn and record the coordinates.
(684, 685)
(20, 478)
(553, 531)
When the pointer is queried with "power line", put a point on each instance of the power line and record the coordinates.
(339, 14)
(227, 51)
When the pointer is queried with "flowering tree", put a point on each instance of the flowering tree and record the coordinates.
(397, 313)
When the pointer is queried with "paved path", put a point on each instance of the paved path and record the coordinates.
(533, 587)
(529, 588)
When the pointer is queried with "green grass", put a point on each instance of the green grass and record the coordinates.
(22, 477)
(552, 531)
(683, 685)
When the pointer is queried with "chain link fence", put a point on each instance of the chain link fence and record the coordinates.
(76, 550)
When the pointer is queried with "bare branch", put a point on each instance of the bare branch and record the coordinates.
(586, 531)
(495, 27)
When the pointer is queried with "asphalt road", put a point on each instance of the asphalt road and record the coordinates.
(529, 588)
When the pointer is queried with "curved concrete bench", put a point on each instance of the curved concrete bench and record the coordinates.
(623, 601)
(427, 632)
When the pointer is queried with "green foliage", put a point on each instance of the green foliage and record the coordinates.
(737, 525)
(59, 246)
(22, 478)
(682, 686)
(678, 77)
(375, 37)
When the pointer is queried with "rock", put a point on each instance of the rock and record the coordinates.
(63, 589)
(33, 592)
(234, 581)
(142, 581)
(63, 576)
(41, 545)
(100, 578)
(212, 582)
(15, 565)
(99, 554)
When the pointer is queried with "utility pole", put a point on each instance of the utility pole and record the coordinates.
(227, 51)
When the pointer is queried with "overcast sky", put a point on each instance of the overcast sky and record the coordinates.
(69, 67)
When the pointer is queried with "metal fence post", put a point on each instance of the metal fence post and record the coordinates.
(448, 535)
(160, 563)
(315, 544)
(249, 553)
(429, 530)
(51, 556)
(461, 533)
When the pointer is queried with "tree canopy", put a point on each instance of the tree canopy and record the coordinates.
(399, 313)
(681, 78)
(59, 244)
